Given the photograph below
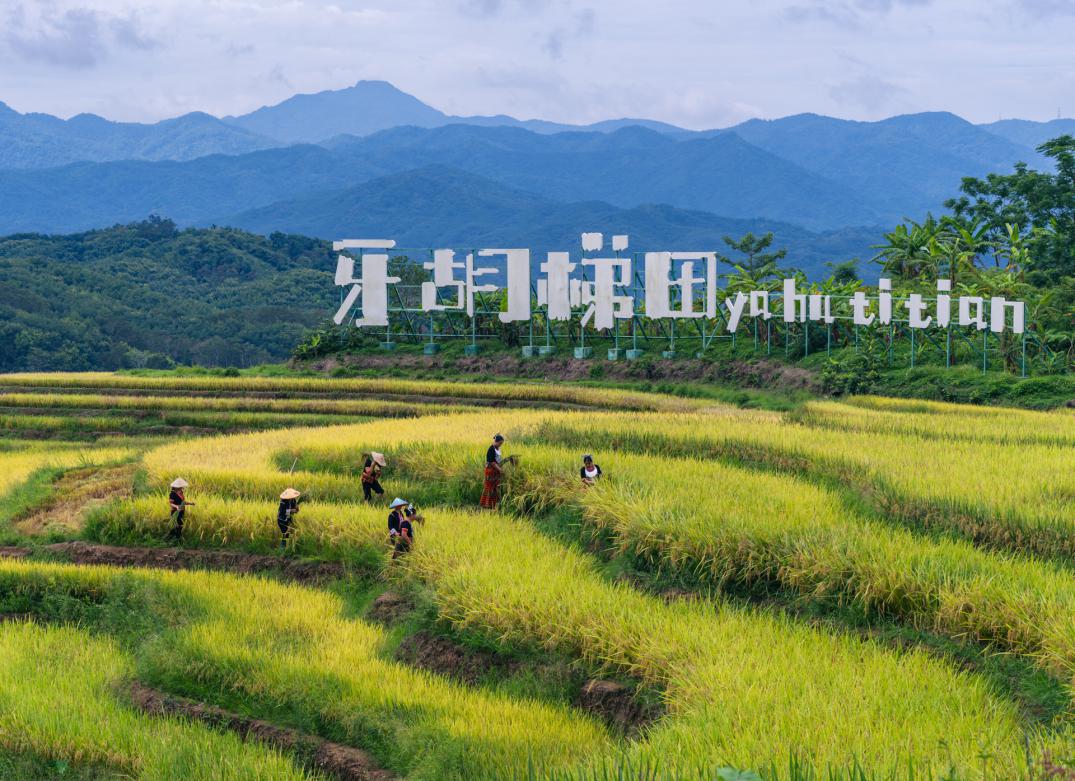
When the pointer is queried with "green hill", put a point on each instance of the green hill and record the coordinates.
(146, 295)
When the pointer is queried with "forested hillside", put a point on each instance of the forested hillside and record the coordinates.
(147, 295)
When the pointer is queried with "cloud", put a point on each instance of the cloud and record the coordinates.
(582, 24)
(70, 39)
(1046, 8)
(128, 33)
(490, 8)
(867, 92)
(848, 14)
(77, 38)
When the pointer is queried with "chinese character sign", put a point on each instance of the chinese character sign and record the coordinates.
(603, 286)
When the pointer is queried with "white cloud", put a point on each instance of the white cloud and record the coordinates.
(692, 62)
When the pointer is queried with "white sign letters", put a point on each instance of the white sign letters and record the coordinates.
(677, 285)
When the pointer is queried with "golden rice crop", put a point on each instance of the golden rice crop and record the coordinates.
(17, 465)
(938, 420)
(84, 401)
(495, 576)
(290, 654)
(1019, 497)
(56, 685)
(517, 391)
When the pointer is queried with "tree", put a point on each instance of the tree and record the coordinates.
(758, 262)
(1040, 204)
(844, 273)
(911, 249)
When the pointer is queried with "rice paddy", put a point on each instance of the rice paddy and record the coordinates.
(735, 572)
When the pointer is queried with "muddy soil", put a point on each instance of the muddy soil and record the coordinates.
(389, 608)
(761, 373)
(184, 558)
(617, 704)
(335, 759)
(440, 655)
(612, 702)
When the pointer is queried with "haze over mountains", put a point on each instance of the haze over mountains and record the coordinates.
(325, 164)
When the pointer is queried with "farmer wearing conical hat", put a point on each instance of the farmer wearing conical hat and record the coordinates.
(401, 526)
(371, 475)
(395, 517)
(177, 505)
(289, 505)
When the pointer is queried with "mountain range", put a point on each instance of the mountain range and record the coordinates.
(463, 210)
(286, 167)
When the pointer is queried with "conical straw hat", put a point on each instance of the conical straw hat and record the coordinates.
(179, 482)
(290, 493)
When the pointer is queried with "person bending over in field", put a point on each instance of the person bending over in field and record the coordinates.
(590, 471)
(494, 472)
(371, 475)
(177, 505)
(405, 535)
(285, 514)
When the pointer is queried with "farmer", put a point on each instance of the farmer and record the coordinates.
(371, 475)
(494, 471)
(289, 505)
(395, 518)
(177, 504)
(405, 536)
(590, 471)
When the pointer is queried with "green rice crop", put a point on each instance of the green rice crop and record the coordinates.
(725, 671)
(57, 686)
(1015, 497)
(290, 654)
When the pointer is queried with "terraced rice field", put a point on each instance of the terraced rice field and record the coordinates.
(865, 589)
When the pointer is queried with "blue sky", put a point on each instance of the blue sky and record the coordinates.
(693, 63)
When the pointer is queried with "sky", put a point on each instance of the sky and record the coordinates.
(693, 63)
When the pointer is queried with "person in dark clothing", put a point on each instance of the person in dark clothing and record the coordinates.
(405, 537)
(494, 473)
(590, 471)
(371, 475)
(395, 518)
(285, 514)
(177, 505)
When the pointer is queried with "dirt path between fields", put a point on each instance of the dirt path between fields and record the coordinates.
(335, 759)
(78, 552)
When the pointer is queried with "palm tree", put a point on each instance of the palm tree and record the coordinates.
(906, 251)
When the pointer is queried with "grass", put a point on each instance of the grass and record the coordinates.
(517, 391)
(523, 589)
(1007, 496)
(756, 531)
(186, 403)
(289, 654)
(57, 686)
(819, 511)
(940, 421)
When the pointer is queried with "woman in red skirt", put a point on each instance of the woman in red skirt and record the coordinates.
(493, 474)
